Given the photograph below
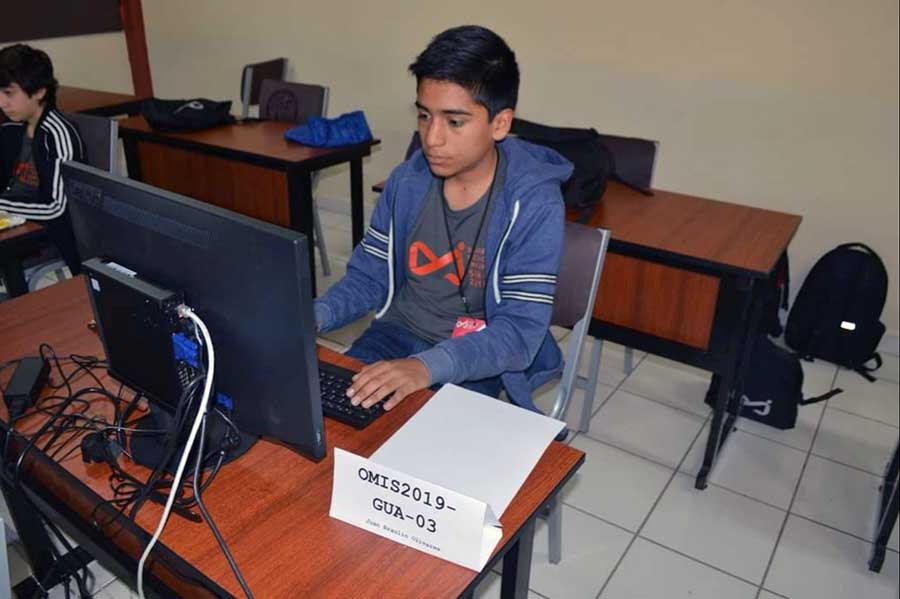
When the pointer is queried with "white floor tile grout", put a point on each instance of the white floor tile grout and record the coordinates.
(838, 530)
(694, 559)
(794, 495)
(649, 513)
(629, 451)
(887, 458)
(870, 419)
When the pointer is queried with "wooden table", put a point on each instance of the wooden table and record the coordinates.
(271, 504)
(683, 280)
(89, 101)
(248, 167)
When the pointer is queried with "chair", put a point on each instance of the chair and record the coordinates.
(635, 158)
(295, 103)
(252, 77)
(99, 138)
(576, 291)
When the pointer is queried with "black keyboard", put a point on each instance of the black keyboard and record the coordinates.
(333, 383)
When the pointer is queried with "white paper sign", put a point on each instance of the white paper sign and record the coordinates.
(472, 443)
(413, 512)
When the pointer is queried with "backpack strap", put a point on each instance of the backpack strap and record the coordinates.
(811, 400)
(863, 370)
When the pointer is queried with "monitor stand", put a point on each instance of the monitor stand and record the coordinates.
(147, 449)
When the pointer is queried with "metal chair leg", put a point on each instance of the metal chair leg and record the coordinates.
(587, 406)
(320, 241)
(629, 360)
(554, 523)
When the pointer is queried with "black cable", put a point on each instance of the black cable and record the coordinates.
(67, 379)
(208, 518)
(79, 581)
(170, 442)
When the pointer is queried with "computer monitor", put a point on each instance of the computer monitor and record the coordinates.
(248, 280)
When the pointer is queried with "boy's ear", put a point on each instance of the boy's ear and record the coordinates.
(501, 124)
(39, 94)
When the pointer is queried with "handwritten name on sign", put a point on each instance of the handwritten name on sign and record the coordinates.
(413, 512)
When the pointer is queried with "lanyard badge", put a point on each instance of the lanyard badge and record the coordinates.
(468, 324)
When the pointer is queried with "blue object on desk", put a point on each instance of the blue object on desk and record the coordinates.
(345, 130)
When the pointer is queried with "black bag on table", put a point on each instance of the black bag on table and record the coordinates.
(594, 162)
(773, 386)
(186, 115)
(836, 315)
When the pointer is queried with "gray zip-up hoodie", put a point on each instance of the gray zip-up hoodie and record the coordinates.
(523, 246)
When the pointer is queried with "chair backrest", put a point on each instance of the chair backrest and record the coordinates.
(292, 102)
(635, 158)
(252, 77)
(576, 290)
(100, 136)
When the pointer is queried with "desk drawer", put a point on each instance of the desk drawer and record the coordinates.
(667, 302)
(245, 188)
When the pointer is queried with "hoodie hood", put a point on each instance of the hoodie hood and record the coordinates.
(528, 166)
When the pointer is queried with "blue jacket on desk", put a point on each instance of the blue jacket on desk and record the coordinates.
(523, 247)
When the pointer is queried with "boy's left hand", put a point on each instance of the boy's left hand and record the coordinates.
(394, 378)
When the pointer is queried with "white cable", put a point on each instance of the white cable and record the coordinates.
(183, 312)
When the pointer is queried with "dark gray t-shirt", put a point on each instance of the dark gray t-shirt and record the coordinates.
(24, 181)
(429, 303)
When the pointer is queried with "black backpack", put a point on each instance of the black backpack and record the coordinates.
(836, 315)
(594, 162)
(186, 115)
(773, 386)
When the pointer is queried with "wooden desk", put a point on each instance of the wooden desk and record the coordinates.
(89, 101)
(682, 279)
(271, 505)
(16, 244)
(248, 167)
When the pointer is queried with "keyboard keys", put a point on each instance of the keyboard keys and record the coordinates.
(333, 384)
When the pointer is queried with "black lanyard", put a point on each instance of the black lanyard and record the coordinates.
(461, 288)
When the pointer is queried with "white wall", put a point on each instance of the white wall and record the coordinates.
(98, 61)
(785, 105)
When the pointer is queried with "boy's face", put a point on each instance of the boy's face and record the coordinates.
(18, 105)
(456, 134)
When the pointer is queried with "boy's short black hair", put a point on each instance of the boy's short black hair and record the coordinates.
(30, 68)
(475, 58)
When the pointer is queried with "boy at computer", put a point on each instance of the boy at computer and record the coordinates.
(462, 253)
(34, 141)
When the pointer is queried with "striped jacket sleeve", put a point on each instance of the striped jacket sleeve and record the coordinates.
(58, 142)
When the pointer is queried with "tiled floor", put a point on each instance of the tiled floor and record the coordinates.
(787, 513)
